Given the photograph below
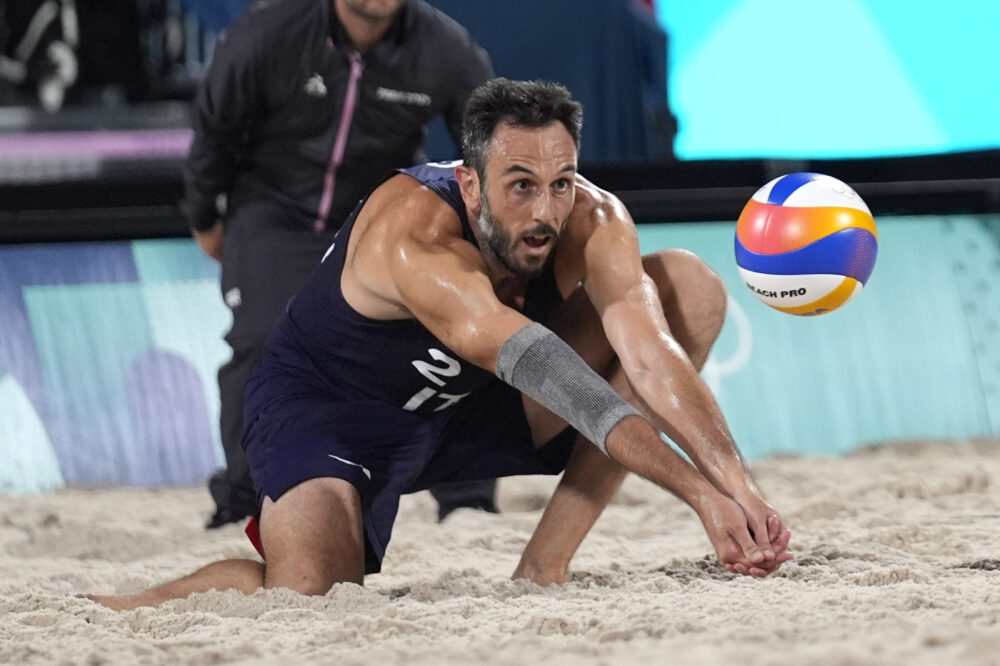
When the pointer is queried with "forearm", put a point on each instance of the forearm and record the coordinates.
(681, 405)
(636, 446)
(590, 481)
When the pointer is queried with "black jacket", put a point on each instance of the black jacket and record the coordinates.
(291, 113)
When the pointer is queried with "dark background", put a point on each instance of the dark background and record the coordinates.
(139, 62)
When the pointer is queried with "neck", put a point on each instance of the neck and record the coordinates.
(364, 31)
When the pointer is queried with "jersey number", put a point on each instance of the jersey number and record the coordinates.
(436, 374)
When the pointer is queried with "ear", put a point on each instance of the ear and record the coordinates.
(468, 185)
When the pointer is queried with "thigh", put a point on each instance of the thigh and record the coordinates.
(312, 536)
(297, 434)
(486, 437)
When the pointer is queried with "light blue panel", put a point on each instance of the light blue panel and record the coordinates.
(953, 74)
(29, 462)
(789, 78)
(688, 23)
(896, 362)
(189, 319)
(173, 260)
(87, 336)
(975, 261)
(186, 314)
(783, 78)
(172, 430)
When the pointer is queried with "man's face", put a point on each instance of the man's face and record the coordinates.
(527, 196)
(374, 10)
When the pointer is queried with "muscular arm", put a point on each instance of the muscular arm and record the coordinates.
(460, 307)
(659, 371)
(442, 281)
(657, 367)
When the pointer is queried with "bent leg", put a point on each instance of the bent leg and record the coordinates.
(243, 575)
(586, 487)
(693, 299)
(588, 484)
(264, 264)
(312, 538)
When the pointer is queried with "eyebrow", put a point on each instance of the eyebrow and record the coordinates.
(517, 168)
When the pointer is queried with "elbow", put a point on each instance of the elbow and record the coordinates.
(650, 368)
(476, 344)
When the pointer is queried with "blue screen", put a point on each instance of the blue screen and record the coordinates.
(845, 78)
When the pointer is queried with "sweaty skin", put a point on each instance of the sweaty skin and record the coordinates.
(407, 259)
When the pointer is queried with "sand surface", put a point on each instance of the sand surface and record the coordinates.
(897, 561)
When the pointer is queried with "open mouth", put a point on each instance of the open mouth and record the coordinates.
(536, 241)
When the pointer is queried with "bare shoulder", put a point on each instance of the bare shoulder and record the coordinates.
(422, 223)
(404, 234)
(401, 212)
(596, 207)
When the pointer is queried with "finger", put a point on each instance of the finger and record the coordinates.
(774, 527)
(781, 543)
(750, 549)
(729, 551)
(759, 532)
(770, 567)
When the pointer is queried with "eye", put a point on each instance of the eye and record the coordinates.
(522, 185)
(562, 185)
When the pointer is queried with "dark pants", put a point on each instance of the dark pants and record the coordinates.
(265, 262)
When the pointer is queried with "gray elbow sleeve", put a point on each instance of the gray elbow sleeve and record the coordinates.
(538, 363)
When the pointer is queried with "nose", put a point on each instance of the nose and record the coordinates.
(544, 210)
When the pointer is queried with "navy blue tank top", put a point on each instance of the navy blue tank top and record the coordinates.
(396, 361)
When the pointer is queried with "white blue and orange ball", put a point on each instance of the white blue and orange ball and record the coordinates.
(806, 244)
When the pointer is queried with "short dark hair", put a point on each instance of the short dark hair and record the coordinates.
(532, 104)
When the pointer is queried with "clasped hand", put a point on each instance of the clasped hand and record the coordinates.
(747, 533)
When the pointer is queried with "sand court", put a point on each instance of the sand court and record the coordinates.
(897, 561)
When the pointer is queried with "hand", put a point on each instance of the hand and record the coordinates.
(767, 567)
(727, 528)
(767, 529)
(540, 574)
(211, 240)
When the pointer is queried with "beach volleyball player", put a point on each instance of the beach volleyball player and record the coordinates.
(486, 319)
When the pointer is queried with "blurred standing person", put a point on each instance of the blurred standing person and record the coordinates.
(306, 106)
(38, 52)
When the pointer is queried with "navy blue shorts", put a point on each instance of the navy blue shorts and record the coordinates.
(386, 452)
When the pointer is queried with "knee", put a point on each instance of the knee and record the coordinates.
(305, 581)
(681, 274)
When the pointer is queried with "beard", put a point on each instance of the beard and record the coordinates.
(503, 246)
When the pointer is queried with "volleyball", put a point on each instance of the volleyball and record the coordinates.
(806, 244)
